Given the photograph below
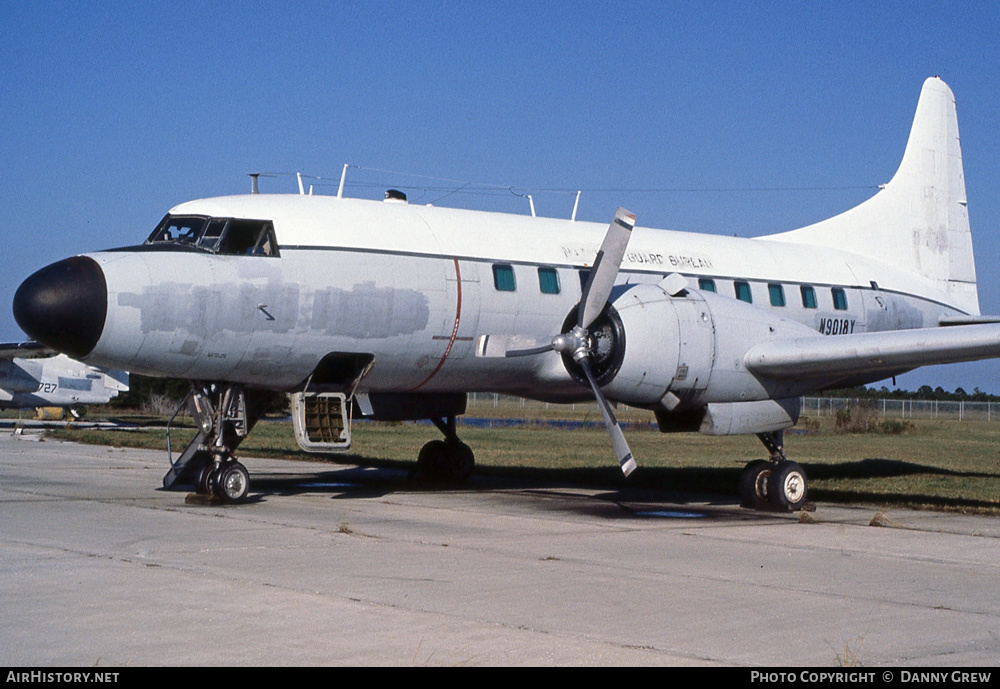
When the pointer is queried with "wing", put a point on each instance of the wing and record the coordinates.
(866, 353)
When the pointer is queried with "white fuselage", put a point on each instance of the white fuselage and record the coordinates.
(415, 286)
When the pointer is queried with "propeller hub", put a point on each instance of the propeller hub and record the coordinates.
(576, 343)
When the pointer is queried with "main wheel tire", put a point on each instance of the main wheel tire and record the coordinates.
(786, 487)
(234, 482)
(462, 462)
(433, 461)
(753, 484)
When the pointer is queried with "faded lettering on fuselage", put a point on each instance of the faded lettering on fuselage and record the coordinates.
(679, 261)
(689, 261)
(642, 257)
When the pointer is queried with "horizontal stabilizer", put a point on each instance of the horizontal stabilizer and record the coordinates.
(820, 356)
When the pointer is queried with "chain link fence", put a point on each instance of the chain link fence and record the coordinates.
(961, 410)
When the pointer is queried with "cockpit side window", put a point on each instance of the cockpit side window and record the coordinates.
(240, 237)
(224, 236)
(266, 245)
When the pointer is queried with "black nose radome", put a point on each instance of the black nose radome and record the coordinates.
(64, 305)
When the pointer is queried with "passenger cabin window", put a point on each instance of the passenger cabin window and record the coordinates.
(839, 299)
(706, 284)
(776, 294)
(743, 291)
(503, 277)
(228, 236)
(548, 280)
(808, 297)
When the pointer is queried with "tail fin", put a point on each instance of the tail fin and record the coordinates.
(919, 220)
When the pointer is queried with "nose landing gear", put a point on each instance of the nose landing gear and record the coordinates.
(225, 414)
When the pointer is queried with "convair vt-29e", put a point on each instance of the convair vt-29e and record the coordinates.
(398, 311)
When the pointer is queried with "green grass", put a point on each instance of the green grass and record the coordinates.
(943, 465)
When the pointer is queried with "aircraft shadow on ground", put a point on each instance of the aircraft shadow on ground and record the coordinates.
(364, 478)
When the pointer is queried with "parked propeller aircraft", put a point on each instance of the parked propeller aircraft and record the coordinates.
(399, 310)
(33, 376)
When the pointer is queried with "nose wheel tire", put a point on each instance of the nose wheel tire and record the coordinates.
(233, 482)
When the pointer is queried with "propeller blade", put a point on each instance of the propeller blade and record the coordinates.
(501, 346)
(618, 442)
(606, 266)
(528, 352)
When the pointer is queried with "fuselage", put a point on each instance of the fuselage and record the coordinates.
(416, 286)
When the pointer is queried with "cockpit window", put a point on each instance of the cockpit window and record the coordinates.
(184, 230)
(227, 236)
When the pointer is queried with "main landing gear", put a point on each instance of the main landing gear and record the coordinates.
(777, 483)
(225, 414)
(449, 460)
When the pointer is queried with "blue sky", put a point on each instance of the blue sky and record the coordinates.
(112, 112)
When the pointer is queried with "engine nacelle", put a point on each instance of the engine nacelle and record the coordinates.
(684, 351)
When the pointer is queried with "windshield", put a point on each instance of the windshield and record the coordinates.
(231, 236)
(186, 230)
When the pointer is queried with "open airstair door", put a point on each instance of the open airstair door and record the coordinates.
(322, 421)
(321, 412)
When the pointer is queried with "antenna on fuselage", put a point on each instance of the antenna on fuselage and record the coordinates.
(531, 201)
(576, 205)
(254, 188)
(302, 190)
(343, 178)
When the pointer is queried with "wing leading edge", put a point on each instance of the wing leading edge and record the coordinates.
(865, 353)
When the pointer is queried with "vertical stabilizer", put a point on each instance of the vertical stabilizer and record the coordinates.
(919, 220)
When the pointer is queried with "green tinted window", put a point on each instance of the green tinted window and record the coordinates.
(839, 299)
(503, 277)
(706, 284)
(743, 291)
(548, 280)
(808, 297)
(777, 295)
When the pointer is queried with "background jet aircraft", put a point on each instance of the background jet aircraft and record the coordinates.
(400, 310)
(32, 377)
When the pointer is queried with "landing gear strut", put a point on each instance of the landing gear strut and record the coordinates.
(777, 483)
(225, 414)
(448, 460)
